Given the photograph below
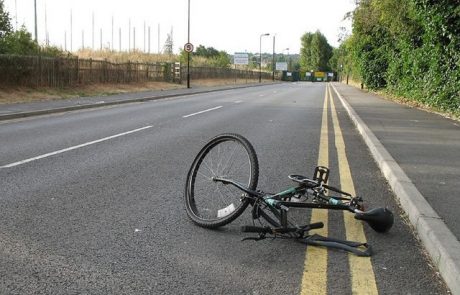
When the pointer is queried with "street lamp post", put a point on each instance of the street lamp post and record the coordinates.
(260, 56)
(289, 58)
(273, 59)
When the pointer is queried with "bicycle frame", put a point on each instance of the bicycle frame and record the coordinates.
(275, 200)
(379, 220)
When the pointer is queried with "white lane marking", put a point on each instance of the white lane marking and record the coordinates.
(197, 113)
(238, 101)
(73, 148)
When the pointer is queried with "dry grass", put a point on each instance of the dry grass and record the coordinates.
(23, 94)
(122, 57)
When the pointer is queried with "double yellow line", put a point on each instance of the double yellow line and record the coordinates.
(314, 279)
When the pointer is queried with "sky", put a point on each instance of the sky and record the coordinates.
(232, 26)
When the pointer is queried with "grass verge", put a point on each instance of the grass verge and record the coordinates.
(9, 95)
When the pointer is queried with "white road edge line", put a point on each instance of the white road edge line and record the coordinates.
(197, 113)
(73, 148)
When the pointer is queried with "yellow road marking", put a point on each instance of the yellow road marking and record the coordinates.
(314, 279)
(362, 274)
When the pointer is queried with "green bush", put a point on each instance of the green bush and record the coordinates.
(409, 48)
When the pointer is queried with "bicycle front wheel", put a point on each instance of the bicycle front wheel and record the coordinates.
(211, 203)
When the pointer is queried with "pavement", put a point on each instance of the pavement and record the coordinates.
(417, 152)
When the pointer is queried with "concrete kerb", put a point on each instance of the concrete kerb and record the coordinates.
(118, 102)
(442, 246)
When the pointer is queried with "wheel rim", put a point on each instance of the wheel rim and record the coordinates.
(213, 200)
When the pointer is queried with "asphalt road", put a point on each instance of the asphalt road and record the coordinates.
(91, 200)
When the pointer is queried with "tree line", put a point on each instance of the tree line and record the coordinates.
(409, 48)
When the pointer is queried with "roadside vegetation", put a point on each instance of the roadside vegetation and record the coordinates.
(409, 49)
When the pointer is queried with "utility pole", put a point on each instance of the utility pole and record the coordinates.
(158, 38)
(119, 39)
(112, 34)
(92, 34)
(16, 13)
(101, 38)
(46, 28)
(188, 53)
(149, 39)
(82, 39)
(129, 36)
(35, 10)
(134, 39)
(71, 32)
(144, 36)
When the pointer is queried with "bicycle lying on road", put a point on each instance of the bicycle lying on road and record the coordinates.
(222, 182)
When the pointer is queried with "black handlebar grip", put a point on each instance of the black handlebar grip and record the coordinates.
(316, 225)
(255, 229)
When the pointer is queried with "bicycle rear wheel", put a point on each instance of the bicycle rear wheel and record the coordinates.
(210, 203)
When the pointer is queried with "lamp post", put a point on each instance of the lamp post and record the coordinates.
(285, 58)
(260, 56)
(289, 58)
(273, 59)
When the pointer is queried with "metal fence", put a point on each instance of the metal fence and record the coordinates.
(39, 71)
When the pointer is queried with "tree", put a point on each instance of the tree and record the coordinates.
(409, 48)
(315, 52)
(19, 42)
(207, 56)
(208, 52)
(5, 22)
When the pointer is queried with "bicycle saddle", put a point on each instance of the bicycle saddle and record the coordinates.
(379, 219)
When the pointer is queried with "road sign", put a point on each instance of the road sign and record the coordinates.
(188, 47)
(281, 66)
(240, 58)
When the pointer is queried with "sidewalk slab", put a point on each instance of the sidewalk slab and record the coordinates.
(417, 152)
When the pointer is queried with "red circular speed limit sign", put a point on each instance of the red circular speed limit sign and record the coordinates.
(188, 47)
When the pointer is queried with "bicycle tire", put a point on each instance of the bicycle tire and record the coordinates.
(212, 204)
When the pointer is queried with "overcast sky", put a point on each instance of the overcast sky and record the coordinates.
(233, 26)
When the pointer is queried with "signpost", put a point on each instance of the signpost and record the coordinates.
(240, 58)
(281, 66)
(188, 47)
